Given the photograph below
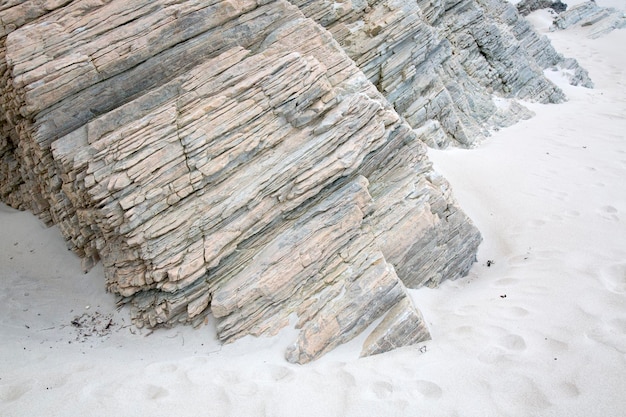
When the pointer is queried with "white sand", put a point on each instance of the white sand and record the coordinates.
(549, 196)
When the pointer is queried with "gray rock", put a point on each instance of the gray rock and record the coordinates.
(236, 158)
(526, 7)
(445, 61)
(227, 159)
(600, 20)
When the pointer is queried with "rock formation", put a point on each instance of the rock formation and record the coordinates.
(526, 7)
(442, 61)
(601, 20)
(235, 158)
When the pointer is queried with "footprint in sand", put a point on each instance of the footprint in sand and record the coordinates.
(428, 389)
(508, 311)
(263, 373)
(492, 354)
(13, 392)
(281, 373)
(161, 368)
(618, 325)
(382, 389)
(226, 377)
(465, 331)
(55, 381)
(556, 217)
(513, 342)
(609, 213)
(155, 392)
(537, 223)
(467, 310)
(569, 389)
(572, 213)
(515, 312)
(532, 394)
(506, 282)
(246, 389)
(556, 346)
(519, 260)
(199, 375)
(614, 278)
(560, 195)
(610, 335)
(234, 383)
(347, 379)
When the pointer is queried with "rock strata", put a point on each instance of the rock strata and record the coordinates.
(526, 7)
(225, 158)
(443, 61)
(599, 20)
(263, 162)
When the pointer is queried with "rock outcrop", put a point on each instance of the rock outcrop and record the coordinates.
(526, 7)
(600, 20)
(236, 158)
(226, 158)
(444, 61)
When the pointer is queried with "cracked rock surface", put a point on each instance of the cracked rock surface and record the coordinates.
(447, 62)
(237, 158)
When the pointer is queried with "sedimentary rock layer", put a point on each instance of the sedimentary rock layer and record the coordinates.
(225, 157)
(443, 61)
(263, 161)
(525, 7)
(600, 20)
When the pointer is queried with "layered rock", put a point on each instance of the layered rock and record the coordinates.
(235, 158)
(225, 157)
(600, 20)
(526, 7)
(444, 61)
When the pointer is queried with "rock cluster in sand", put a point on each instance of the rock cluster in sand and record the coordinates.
(236, 158)
(601, 20)
(439, 63)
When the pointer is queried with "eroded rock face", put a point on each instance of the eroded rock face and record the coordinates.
(444, 61)
(600, 20)
(236, 158)
(226, 158)
(525, 7)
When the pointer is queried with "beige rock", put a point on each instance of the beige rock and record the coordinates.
(444, 61)
(227, 158)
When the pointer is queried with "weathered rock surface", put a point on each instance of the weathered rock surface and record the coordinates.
(225, 157)
(236, 158)
(444, 61)
(526, 7)
(600, 20)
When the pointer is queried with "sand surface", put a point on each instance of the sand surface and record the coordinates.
(541, 331)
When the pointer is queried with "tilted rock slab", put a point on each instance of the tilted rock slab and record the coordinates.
(600, 20)
(225, 157)
(440, 62)
(526, 7)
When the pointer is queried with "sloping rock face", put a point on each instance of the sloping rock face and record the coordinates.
(443, 61)
(525, 7)
(225, 157)
(600, 20)
(261, 161)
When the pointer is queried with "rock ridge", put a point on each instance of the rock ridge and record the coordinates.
(451, 63)
(264, 162)
(226, 158)
(599, 20)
